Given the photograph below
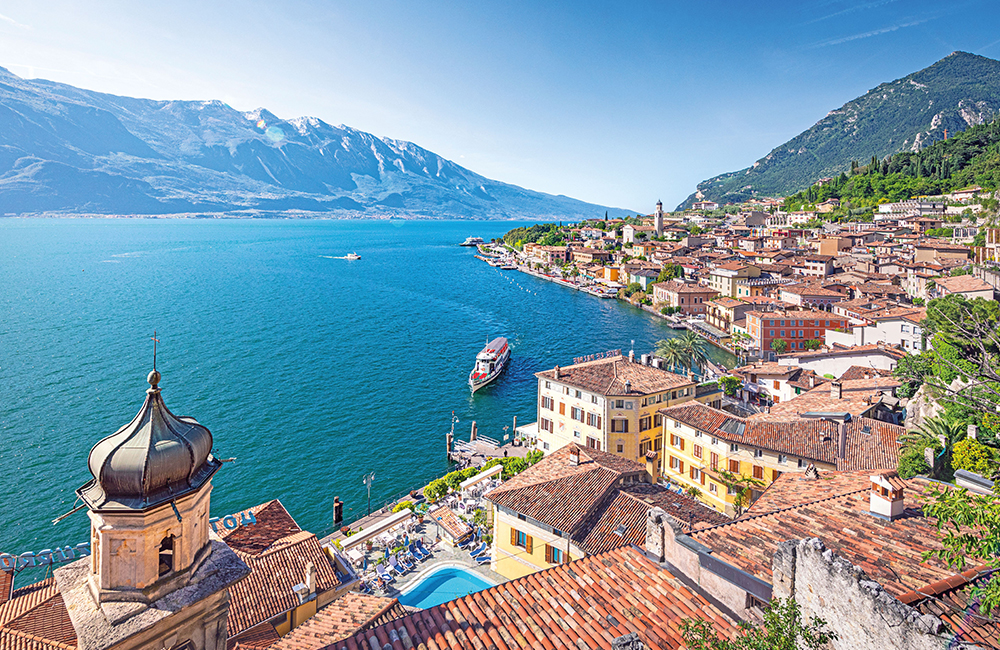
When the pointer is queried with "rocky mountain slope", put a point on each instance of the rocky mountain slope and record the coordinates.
(959, 91)
(65, 149)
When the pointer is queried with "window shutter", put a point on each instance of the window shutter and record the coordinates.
(513, 537)
(598, 421)
(527, 544)
(681, 467)
(691, 472)
(703, 478)
(562, 409)
(682, 444)
(548, 554)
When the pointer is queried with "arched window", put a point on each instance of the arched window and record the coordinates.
(166, 555)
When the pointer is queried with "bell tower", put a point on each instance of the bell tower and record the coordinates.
(154, 565)
(658, 219)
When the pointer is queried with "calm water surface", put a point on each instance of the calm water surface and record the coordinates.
(310, 371)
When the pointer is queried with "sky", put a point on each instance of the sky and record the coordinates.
(619, 104)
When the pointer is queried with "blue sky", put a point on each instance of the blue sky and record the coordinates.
(616, 103)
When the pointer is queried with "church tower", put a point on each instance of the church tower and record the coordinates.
(155, 578)
(658, 219)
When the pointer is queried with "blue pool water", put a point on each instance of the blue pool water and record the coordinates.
(441, 586)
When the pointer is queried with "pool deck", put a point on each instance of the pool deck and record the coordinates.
(442, 555)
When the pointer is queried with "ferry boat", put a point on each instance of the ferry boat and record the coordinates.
(472, 241)
(489, 363)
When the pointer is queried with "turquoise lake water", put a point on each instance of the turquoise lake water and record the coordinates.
(441, 586)
(309, 371)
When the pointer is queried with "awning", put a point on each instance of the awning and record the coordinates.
(753, 388)
(481, 476)
(376, 529)
(529, 431)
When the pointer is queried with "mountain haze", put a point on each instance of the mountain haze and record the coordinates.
(65, 149)
(959, 91)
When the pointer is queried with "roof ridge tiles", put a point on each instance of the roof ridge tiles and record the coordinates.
(761, 515)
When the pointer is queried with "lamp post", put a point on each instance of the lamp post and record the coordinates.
(369, 478)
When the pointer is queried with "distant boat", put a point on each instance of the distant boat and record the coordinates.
(472, 241)
(352, 256)
(489, 363)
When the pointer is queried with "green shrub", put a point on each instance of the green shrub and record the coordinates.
(534, 456)
(436, 489)
(403, 505)
(453, 480)
(972, 456)
(730, 385)
(912, 464)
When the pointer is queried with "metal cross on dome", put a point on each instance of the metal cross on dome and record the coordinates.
(155, 341)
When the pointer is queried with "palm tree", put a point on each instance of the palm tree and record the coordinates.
(930, 434)
(670, 351)
(695, 349)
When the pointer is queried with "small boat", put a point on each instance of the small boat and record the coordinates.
(352, 256)
(472, 241)
(489, 363)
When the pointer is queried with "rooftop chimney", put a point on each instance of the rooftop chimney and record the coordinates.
(631, 356)
(557, 372)
(645, 359)
(574, 456)
(812, 381)
(842, 440)
(628, 387)
(652, 467)
(836, 390)
(887, 495)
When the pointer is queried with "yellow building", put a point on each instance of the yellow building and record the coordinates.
(700, 443)
(607, 404)
(570, 505)
(723, 278)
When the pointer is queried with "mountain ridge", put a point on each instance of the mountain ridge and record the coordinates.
(960, 90)
(66, 149)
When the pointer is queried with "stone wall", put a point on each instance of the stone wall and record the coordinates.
(863, 614)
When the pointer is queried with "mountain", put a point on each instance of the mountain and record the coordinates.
(959, 91)
(64, 149)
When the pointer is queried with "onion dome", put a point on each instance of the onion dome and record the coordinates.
(154, 459)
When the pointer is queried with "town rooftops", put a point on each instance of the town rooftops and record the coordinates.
(845, 351)
(963, 284)
(727, 303)
(732, 266)
(857, 397)
(35, 618)
(939, 245)
(835, 508)
(351, 613)
(609, 377)
(673, 286)
(584, 603)
(868, 444)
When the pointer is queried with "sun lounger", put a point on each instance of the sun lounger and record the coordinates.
(484, 559)
(480, 549)
(383, 573)
(403, 560)
(422, 548)
(396, 566)
(415, 552)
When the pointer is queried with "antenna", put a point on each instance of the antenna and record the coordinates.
(155, 341)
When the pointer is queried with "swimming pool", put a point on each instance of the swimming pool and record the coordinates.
(442, 585)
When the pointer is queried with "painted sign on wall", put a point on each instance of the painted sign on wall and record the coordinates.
(230, 522)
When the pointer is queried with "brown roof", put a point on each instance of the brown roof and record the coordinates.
(953, 600)
(349, 614)
(585, 603)
(837, 510)
(870, 444)
(562, 495)
(450, 522)
(963, 283)
(858, 396)
(673, 286)
(261, 637)
(276, 551)
(608, 377)
(35, 618)
(860, 372)
(838, 350)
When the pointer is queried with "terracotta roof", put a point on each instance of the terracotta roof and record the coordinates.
(342, 618)
(585, 603)
(260, 637)
(860, 372)
(673, 286)
(767, 368)
(732, 266)
(840, 350)
(858, 396)
(562, 495)
(6, 585)
(450, 522)
(869, 444)
(838, 512)
(276, 551)
(963, 283)
(35, 618)
(608, 377)
(953, 601)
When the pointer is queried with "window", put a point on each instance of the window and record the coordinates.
(697, 451)
(713, 488)
(657, 420)
(675, 464)
(545, 425)
(733, 447)
(621, 448)
(547, 403)
(772, 333)
(548, 384)
(715, 462)
(557, 532)
(697, 434)
(801, 463)
(576, 413)
(715, 440)
(758, 472)
(644, 447)
(554, 555)
(521, 538)
(593, 443)
(576, 434)
(782, 332)
(673, 394)
(594, 420)
(731, 491)
(777, 386)
(675, 440)
(905, 328)
(772, 322)
(758, 453)
(619, 403)
(619, 425)
(696, 474)
(734, 466)
(782, 459)
(645, 423)
(565, 390)
(579, 394)
(545, 446)
(166, 555)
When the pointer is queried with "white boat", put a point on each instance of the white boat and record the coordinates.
(352, 256)
(472, 241)
(489, 363)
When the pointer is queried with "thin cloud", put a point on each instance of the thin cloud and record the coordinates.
(8, 19)
(874, 32)
(851, 10)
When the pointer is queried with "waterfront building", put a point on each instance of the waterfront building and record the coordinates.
(689, 297)
(722, 312)
(700, 442)
(608, 404)
(157, 576)
(795, 327)
(577, 502)
(723, 278)
(772, 383)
